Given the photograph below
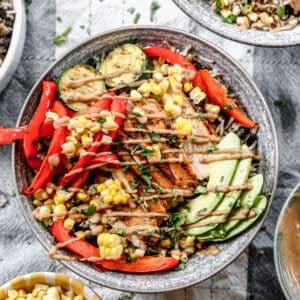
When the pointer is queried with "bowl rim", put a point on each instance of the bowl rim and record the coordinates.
(16, 45)
(272, 44)
(276, 250)
(49, 275)
(236, 65)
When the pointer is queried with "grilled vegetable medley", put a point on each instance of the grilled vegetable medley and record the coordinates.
(141, 160)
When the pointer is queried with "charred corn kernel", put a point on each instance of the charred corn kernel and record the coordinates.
(211, 108)
(265, 18)
(197, 95)
(69, 223)
(224, 3)
(175, 85)
(79, 234)
(176, 69)
(155, 89)
(178, 99)
(136, 95)
(40, 195)
(108, 198)
(12, 294)
(82, 196)
(182, 124)
(187, 87)
(68, 148)
(164, 69)
(101, 187)
(58, 199)
(140, 115)
(95, 128)
(95, 218)
(37, 203)
(86, 140)
(44, 211)
(145, 89)
(166, 243)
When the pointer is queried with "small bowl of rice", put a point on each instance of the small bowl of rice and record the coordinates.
(46, 286)
(12, 37)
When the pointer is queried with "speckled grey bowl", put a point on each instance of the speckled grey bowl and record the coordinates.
(201, 12)
(198, 268)
(286, 285)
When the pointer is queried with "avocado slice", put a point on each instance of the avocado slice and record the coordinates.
(259, 207)
(221, 173)
(240, 177)
(247, 201)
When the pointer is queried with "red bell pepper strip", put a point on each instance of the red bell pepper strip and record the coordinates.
(84, 249)
(29, 143)
(104, 104)
(9, 135)
(111, 159)
(46, 171)
(175, 59)
(218, 96)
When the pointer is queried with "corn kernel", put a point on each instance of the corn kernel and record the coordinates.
(82, 196)
(60, 209)
(69, 223)
(176, 69)
(171, 108)
(40, 195)
(101, 187)
(158, 76)
(12, 294)
(79, 234)
(79, 130)
(41, 294)
(83, 120)
(95, 202)
(95, 218)
(86, 140)
(118, 199)
(211, 108)
(68, 148)
(178, 99)
(21, 293)
(141, 116)
(136, 95)
(40, 286)
(164, 69)
(95, 128)
(197, 95)
(58, 199)
(108, 198)
(156, 150)
(166, 243)
(155, 89)
(265, 18)
(37, 203)
(145, 89)
(164, 85)
(182, 124)
(44, 211)
(175, 86)
(187, 87)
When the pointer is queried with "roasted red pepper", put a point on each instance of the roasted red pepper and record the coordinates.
(218, 96)
(111, 159)
(104, 104)
(47, 171)
(144, 264)
(175, 59)
(30, 140)
(9, 135)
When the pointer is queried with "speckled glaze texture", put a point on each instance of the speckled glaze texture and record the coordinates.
(285, 283)
(198, 268)
(201, 12)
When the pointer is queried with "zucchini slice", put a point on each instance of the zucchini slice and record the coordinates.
(79, 72)
(127, 59)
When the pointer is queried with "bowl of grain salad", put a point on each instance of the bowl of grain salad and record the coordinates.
(46, 286)
(268, 23)
(12, 38)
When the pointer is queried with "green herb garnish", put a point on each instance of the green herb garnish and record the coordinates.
(89, 211)
(280, 11)
(46, 223)
(152, 251)
(176, 220)
(279, 103)
(58, 19)
(101, 121)
(131, 10)
(172, 138)
(147, 152)
(211, 148)
(200, 189)
(137, 114)
(140, 126)
(155, 137)
(218, 6)
(120, 230)
(180, 267)
(125, 168)
(134, 185)
(136, 18)
(227, 106)
(231, 19)
(153, 8)
(148, 180)
(62, 38)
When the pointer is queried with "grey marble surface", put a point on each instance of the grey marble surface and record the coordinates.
(276, 72)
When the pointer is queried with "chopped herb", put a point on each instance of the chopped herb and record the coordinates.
(280, 11)
(46, 223)
(131, 10)
(211, 148)
(136, 18)
(58, 19)
(52, 239)
(148, 180)
(140, 126)
(146, 205)
(176, 220)
(137, 114)
(200, 189)
(134, 185)
(172, 138)
(93, 190)
(93, 61)
(135, 149)
(154, 200)
(62, 38)
(90, 210)
(169, 122)
(125, 168)
(147, 152)
(218, 6)
(227, 106)
(155, 137)
(152, 251)
(176, 198)
(159, 188)
(231, 19)
(117, 144)
(120, 230)
(180, 267)
(28, 2)
(222, 179)
(246, 9)
(128, 259)
(153, 8)
(186, 205)
(145, 170)
(82, 27)
(101, 121)
(200, 115)
(279, 103)
(73, 202)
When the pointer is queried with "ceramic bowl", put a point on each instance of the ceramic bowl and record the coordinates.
(198, 268)
(286, 284)
(201, 12)
(16, 45)
(28, 281)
